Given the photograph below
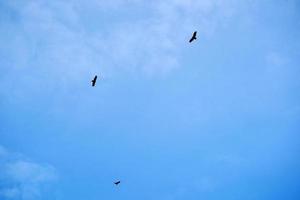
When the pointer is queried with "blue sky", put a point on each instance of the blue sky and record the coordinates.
(215, 119)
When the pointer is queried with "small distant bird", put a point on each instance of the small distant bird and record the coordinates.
(94, 81)
(117, 183)
(194, 37)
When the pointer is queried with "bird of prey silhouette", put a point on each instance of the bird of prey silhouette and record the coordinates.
(117, 183)
(94, 81)
(194, 37)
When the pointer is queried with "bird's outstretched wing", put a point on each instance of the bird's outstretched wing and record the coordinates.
(195, 34)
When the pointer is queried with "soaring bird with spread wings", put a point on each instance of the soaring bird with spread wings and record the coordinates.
(194, 37)
(117, 183)
(94, 81)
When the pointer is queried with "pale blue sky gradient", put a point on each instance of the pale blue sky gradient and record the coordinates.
(215, 119)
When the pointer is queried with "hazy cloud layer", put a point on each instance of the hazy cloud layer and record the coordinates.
(68, 38)
(23, 179)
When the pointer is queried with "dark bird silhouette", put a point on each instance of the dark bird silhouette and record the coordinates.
(94, 81)
(194, 37)
(117, 183)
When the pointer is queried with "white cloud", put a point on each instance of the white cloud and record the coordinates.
(21, 178)
(24, 171)
(50, 46)
(55, 37)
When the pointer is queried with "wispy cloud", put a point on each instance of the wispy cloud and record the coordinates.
(59, 37)
(21, 178)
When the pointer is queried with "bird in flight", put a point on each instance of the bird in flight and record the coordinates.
(194, 37)
(117, 183)
(94, 81)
